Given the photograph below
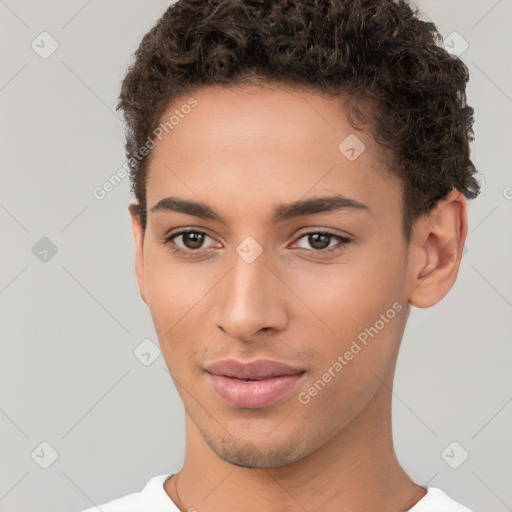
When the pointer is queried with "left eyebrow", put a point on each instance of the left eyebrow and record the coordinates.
(282, 212)
(316, 205)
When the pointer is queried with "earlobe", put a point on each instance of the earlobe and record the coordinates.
(437, 241)
(138, 238)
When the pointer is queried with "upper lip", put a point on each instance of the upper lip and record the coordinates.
(257, 369)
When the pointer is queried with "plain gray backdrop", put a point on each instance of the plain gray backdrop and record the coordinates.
(84, 417)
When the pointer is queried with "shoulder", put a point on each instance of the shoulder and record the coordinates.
(152, 497)
(437, 500)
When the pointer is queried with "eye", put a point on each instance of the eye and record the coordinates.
(321, 241)
(191, 241)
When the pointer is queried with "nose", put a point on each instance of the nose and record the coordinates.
(250, 300)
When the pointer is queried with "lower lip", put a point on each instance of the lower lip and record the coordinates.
(253, 394)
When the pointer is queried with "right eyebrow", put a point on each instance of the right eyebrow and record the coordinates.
(186, 206)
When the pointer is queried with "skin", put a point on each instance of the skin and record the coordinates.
(242, 151)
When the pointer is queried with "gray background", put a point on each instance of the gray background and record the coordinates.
(70, 323)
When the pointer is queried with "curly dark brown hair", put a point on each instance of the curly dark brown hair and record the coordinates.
(374, 50)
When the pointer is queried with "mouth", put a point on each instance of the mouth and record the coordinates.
(254, 384)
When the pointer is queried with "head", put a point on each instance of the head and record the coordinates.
(301, 174)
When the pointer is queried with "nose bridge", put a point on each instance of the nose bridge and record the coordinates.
(249, 295)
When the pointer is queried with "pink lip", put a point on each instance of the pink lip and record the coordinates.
(269, 381)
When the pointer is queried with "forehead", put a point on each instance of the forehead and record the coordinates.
(252, 146)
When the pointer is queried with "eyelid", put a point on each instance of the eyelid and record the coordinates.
(323, 231)
(171, 235)
(343, 241)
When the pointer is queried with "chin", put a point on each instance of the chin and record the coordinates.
(248, 454)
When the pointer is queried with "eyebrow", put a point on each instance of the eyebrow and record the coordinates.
(327, 204)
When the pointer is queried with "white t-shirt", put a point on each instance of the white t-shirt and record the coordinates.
(153, 498)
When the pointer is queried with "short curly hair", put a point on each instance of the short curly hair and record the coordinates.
(374, 50)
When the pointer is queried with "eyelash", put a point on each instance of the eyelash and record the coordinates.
(191, 253)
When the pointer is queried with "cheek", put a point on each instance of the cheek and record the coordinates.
(349, 294)
(174, 287)
(179, 294)
(354, 310)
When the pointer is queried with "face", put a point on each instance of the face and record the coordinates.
(265, 271)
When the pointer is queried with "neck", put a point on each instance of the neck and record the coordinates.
(357, 470)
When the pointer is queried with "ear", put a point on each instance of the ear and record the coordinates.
(436, 248)
(138, 238)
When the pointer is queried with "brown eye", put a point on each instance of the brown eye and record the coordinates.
(319, 241)
(193, 239)
(189, 243)
(190, 239)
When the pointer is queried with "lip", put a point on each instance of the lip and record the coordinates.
(252, 384)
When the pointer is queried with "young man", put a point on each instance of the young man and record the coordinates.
(301, 171)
